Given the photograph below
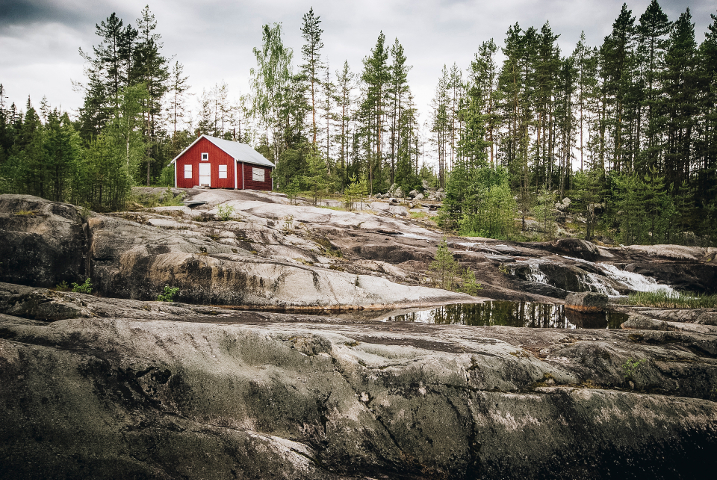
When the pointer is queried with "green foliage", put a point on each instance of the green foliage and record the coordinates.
(62, 287)
(444, 266)
(168, 294)
(545, 212)
(645, 211)
(631, 367)
(292, 189)
(586, 198)
(663, 299)
(225, 212)
(479, 202)
(166, 177)
(316, 178)
(82, 288)
(470, 286)
(354, 192)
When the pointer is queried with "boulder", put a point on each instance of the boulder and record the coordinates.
(42, 243)
(398, 193)
(586, 301)
(419, 197)
(413, 193)
(575, 247)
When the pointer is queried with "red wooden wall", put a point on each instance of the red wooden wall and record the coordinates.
(249, 183)
(217, 157)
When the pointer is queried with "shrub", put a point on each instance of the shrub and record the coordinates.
(470, 286)
(62, 287)
(168, 294)
(225, 212)
(83, 288)
(631, 366)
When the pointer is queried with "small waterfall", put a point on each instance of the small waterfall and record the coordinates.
(594, 283)
(536, 275)
(634, 281)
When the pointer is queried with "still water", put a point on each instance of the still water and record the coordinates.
(511, 314)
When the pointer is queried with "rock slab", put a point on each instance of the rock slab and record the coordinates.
(586, 301)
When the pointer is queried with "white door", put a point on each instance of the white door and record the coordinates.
(205, 174)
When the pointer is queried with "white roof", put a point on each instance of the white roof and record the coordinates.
(241, 152)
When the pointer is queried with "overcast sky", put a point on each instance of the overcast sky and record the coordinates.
(39, 39)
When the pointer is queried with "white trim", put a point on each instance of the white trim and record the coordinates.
(216, 144)
(205, 156)
(185, 150)
(175, 176)
(242, 176)
(235, 174)
(199, 174)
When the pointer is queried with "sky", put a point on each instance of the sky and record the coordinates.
(213, 39)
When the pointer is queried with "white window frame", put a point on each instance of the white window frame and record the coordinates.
(205, 157)
(223, 171)
(188, 170)
(258, 174)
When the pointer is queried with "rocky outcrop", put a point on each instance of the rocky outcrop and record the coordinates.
(576, 247)
(130, 259)
(586, 302)
(257, 395)
(42, 243)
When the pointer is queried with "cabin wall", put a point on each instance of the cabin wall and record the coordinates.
(217, 157)
(249, 182)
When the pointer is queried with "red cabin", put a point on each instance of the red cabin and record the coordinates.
(217, 163)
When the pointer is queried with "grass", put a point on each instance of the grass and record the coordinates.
(419, 215)
(26, 213)
(671, 300)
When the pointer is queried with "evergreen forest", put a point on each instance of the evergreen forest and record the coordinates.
(626, 130)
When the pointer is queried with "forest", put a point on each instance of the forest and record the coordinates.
(627, 130)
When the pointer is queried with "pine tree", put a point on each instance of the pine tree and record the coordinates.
(345, 86)
(652, 31)
(680, 100)
(376, 76)
(617, 65)
(311, 52)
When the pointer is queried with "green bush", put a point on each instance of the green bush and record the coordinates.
(631, 366)
(83, 288)
(62, 287)
(225, 212)
(168, 294)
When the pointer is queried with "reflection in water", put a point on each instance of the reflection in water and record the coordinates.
(511, 314)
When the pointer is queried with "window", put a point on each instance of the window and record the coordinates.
(187, 171)
(257, 174)
(205, 157)
(222, 171)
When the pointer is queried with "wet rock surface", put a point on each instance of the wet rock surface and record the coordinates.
(261, 394)
(114, 386)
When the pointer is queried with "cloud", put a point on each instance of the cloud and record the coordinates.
(214, 38)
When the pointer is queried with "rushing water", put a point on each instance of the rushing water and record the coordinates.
(512, 314)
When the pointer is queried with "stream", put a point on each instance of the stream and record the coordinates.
(509, 314)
